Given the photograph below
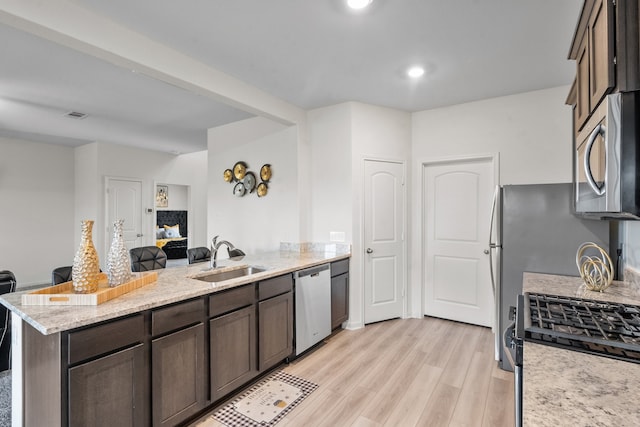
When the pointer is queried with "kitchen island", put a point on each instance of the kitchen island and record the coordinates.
(140, 348)
(566, 387)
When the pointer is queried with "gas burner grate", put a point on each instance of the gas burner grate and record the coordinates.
(605, 328)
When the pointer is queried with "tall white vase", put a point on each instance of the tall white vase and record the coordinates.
(118, 262)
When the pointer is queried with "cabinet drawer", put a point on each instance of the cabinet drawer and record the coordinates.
(231, 300)
(339, 267)
(276, 286)
(105, 338)
(176, 317)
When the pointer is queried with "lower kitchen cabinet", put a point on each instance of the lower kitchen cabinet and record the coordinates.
(104, 392)
(339, 300)
(178, 376)
(178, 363)
(339, 293)
(232, 343)
(275, 320)
(107, 375)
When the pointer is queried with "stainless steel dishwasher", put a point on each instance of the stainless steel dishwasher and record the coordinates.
(313, 306)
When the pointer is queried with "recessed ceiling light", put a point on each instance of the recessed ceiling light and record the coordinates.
(415, 72)
(358, 4)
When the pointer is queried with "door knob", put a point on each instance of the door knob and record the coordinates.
(369, 250)
(486, 251)
(138, 235)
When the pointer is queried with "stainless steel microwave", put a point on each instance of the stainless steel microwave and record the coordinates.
(607, 160)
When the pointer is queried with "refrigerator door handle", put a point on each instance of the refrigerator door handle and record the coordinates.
(492, 245)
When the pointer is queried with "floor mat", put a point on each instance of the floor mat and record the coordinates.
(267, 402)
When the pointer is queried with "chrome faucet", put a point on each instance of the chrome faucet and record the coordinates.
(215, 246)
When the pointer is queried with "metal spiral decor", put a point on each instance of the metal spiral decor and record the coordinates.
(596, 270)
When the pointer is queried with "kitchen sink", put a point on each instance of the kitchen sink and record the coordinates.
(220, 276)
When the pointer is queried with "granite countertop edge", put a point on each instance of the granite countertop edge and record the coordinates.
(173, 285)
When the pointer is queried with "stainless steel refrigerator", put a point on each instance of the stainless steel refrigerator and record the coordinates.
(533, 229)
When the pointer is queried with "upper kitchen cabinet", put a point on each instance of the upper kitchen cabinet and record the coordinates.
(605, 48)
(593, 48)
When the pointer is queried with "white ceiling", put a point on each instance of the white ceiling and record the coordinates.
(308, 53)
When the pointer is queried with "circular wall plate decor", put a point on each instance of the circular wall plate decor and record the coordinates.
(228, 175)
(239, 189)
(249, 182)
(262, 189)
(239, 170)
(265, 172)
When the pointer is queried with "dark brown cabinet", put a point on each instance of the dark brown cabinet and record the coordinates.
(107, 375)
(276, 330)
(162, 366)
(593, 48)
(104, 391)
(605, 48)
(339, 293)
(275, 321)
(178, 362)
(232, 340)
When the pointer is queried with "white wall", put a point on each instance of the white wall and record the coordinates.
(254, 223)
(531, 132)
(331, 172)
(178, 198)
(37, 209)
(151, 167)
(48, 189)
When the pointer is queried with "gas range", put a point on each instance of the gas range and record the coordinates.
(596, 327)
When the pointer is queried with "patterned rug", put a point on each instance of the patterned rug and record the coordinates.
(265, 403)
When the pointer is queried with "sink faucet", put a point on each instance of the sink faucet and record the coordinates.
(215, 246)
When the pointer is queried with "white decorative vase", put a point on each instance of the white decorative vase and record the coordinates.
(86, 267)
(118, 262)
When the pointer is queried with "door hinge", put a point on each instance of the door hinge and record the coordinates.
(615, 60)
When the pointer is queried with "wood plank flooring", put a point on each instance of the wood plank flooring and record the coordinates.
(410, 372)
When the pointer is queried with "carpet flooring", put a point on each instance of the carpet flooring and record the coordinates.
(5, 398)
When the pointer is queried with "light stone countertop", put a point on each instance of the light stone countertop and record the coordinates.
(568, 388)
(174, 285)
(564, 387)
(570, 286)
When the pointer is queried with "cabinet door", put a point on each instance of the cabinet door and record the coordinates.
(601, 51)
(339, 300)
(232, 344)
(583, 106)
(109, 391)
(178, 375)
(275, 320)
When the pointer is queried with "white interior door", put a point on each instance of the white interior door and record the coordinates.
(124, 201)
(384, 257)
(457, 203)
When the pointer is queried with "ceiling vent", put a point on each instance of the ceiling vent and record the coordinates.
(76, 115)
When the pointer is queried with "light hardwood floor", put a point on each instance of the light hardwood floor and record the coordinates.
(411, 372)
